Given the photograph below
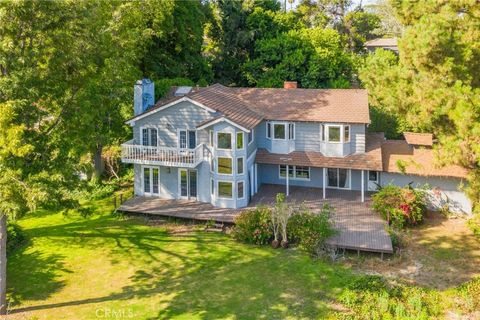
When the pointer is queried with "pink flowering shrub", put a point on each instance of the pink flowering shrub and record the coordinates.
(400, 206)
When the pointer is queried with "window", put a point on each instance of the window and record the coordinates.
(211, 138)
(149, 137)
(302, 172)
(279, 131)
(240, 165)
(269, 130)
(295, 172)
(225, 189)
(338, 178)
(240, 190)
(346, 133)
(322, 132)
(334, 133)
(212, 163)
(373, 176)
(283, 170)
(291, 131)
(239, 140)
(224, 165)
(212, 187)
(250, 136)
(224, 140)
(187, 138)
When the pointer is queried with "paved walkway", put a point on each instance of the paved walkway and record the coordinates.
(359, 227)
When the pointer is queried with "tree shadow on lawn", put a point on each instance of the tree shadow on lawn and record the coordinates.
(213, 277)
(33, 275)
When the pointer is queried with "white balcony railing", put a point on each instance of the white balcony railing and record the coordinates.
(164, 156)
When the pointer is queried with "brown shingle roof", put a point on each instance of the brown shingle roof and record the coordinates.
(370, 160)
(323, 105)
(417, 161)
(419, 139)
(248, 106)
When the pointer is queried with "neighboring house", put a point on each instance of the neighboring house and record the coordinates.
(219, 144)
(382, 43)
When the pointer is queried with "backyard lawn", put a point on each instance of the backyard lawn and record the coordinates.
(108, 267)
(76, 268)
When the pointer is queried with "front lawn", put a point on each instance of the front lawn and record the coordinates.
(76, 268)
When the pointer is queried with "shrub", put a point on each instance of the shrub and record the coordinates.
(15, 237)
(370, 297)
(253, 226)
(470, 292)
(98, 190)
(310, 230)
(400, 206)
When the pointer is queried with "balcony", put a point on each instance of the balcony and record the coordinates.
(162, 156)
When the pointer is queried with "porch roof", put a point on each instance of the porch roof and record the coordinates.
(370, 160)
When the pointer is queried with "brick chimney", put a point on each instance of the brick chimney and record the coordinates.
(290, 84)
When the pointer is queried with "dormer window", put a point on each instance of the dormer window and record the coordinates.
(346, 133)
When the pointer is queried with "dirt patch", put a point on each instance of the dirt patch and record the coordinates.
(441, 253)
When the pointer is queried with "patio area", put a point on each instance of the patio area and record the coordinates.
(359, 227)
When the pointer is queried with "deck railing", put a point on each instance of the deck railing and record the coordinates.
(165, 156)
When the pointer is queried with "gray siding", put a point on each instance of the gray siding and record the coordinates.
(184, 115)
(307, 136)
(448, 190)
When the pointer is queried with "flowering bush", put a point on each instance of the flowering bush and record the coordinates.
(253, 226)
(400, 206)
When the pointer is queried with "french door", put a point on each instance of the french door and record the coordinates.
(151, 181)
(187, 183)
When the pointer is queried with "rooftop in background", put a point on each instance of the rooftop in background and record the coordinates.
(419, 139)
(382, 43)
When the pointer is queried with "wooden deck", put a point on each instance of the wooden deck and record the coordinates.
(359, 227)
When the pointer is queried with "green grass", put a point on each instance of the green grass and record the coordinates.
(87, 268)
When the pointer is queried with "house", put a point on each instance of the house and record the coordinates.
(382, 43)
(220, 144)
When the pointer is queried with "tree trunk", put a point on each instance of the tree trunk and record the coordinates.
(98, 163)
(3, 264)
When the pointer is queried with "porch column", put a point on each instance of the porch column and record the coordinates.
(363, 186)
(288, 187)
(324, 182)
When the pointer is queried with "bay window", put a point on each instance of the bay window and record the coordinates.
(239, 140)
(224, 165)
(334, 133)
(279, 131)
(225, 189)
(240, 169)
(269, 130)
(224, 140)
(240, 190)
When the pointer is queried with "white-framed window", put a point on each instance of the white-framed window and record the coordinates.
(346, 133)
(338, 178)
(294, 172)
(149, 136)
(212, 187)
(239, 140)
(302, 173)
(322, 132)
(187, 139)
(225, 189)
(224, 140)
(240, 190)
(251, 136)
(240, 165)
(291, 131)
(224, 165)
(210, 140)
(269, 130)
(334, 133)
(279, 131)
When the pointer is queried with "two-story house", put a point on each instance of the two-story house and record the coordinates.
(220, 144)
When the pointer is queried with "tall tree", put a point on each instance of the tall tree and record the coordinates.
(64, 67)
(436, 82)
